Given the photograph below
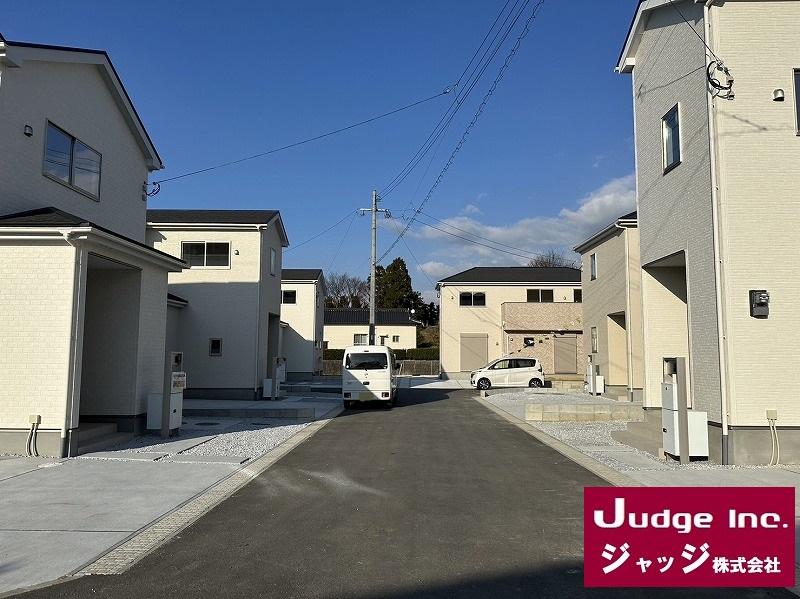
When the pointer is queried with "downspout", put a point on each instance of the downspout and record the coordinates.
(628, 313)
(719, 278)
(260, 231)
(74, 374)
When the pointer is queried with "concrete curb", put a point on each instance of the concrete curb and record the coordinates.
(125, 554)
(610, 475)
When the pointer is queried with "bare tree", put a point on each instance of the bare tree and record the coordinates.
(554, 258)
(346, 291)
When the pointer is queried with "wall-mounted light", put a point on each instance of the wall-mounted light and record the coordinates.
(28, 130)
(778, 95)
(235, 252)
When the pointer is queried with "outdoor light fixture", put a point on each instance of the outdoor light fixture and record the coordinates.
(28, 130)
(778, 95)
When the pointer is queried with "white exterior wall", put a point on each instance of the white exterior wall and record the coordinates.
(455, 319)
(76, 98)
(302, 342)
(270, 302)
(341, 336)
(36, 298)
(759, 154)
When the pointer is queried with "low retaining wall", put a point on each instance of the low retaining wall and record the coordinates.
(583, 412)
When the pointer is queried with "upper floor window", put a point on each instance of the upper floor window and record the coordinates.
(289, 296)
(671, 134)
(360, 339)
(395, 338)
(593, 266)
(273, 261)
(577, 296)
(206, 253)
(70, 161)
(540, 295)
(467, 298)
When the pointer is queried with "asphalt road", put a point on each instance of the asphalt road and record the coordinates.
(439, 497)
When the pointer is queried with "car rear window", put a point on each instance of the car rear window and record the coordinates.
(366, 361)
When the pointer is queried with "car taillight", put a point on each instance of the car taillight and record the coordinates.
(384, 394)
(347, 395)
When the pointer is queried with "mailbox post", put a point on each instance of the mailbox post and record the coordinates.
(174, 380)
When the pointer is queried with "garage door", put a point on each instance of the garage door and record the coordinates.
(566, 354)
(474, 350)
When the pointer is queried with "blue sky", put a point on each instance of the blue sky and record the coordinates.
(549, 161)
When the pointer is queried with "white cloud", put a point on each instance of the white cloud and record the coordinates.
(471, 209)
(530, 234)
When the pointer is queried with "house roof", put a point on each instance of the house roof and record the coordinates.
(301, 274)
(627, 56)
(216, 218)
(516, 274)
(16, 53)
(629, 220)
(360, 316)
(53, 217)
(176, 299)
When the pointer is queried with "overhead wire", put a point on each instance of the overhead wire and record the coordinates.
(529, 256)
(341, 241)
(321, 233)
(413, 256)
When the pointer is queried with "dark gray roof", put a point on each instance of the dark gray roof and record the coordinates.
(360, 316)
(516, 274)
(228, 217)
(301, 274)
(629, 216)
(53, 217)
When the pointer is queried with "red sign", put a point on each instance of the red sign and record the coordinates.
(688, 536)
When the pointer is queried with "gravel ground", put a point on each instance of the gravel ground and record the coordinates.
(235, 437)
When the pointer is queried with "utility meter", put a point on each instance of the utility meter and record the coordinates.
(759, 303)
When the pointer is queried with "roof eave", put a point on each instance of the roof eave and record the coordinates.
(627, 57)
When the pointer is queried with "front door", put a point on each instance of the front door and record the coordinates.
(565, 350)
(474, 351)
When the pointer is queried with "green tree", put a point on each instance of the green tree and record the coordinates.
(394, 288)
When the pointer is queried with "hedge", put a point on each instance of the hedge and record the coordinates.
(420, 353)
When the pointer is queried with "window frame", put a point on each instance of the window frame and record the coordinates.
(205, 255)
(211, 341)
(364, 335)
(552, 293)
(480, 294)
(577, 296)
(395, 338)
(675, 163)
(593, 266)
(594, 341)
(273, 261)
(796, 87)
(538, 295)
(462, 296)
(70, 183)
(283, 296)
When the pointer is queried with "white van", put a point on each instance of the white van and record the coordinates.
(368, 374)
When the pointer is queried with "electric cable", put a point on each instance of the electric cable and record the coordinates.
(321, 233)
(341, 241)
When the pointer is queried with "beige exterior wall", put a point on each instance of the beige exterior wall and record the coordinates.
(616, 291)
(302, 341)
(76, 98)
(36, 299)
(224, 303)
(455, 319)
(759, 153)
(341, 336)
(674, 209)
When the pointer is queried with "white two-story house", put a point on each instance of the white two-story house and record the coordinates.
(303, 310)
(229, 328)
(82, 297)
(716, 89)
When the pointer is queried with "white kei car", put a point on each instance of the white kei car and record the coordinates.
(508, 372)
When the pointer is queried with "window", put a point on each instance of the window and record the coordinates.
(478, 299)
(273, 261)
(536, 296)
(215, 347)
(289, 296)
(383, 339)
(593, 271)
(359, 339)
(577, 296)
(324, 345)
(594, 340)
(71, 161)
(797, 98)
(206, 254)
(671, 134)
(523, 363)
(465, 298)
(395, 338)
(366, 361)
(501, 365)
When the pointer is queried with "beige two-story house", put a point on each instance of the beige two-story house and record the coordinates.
(715, 94)
(394, 327)
(83, 300)
(229, 329)
(490, 312)
(611, 279)
(303, 310)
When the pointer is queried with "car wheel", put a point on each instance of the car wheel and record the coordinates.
(484, 384)
(535, 383)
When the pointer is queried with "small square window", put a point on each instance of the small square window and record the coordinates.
(193, 253)
(289, 296)
(478, 299)
(593, 262)
(395, 338)
(465, 298)
(577, 296)
(360, 339)
(547, 296)
(671, 133)
(534, 296)
(215, 347)
(594, 340)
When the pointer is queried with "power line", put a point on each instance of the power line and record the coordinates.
(486, 245)
(321, 233)
(341, 241)
(157, 184)
(471, 125)
(410, 251)
(700, 37)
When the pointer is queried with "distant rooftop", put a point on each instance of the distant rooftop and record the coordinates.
(627, 221)
(516, 274)
(301, 274)
(360, 316)
(228, 217)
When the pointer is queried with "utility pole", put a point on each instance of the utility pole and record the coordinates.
(374, 261)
